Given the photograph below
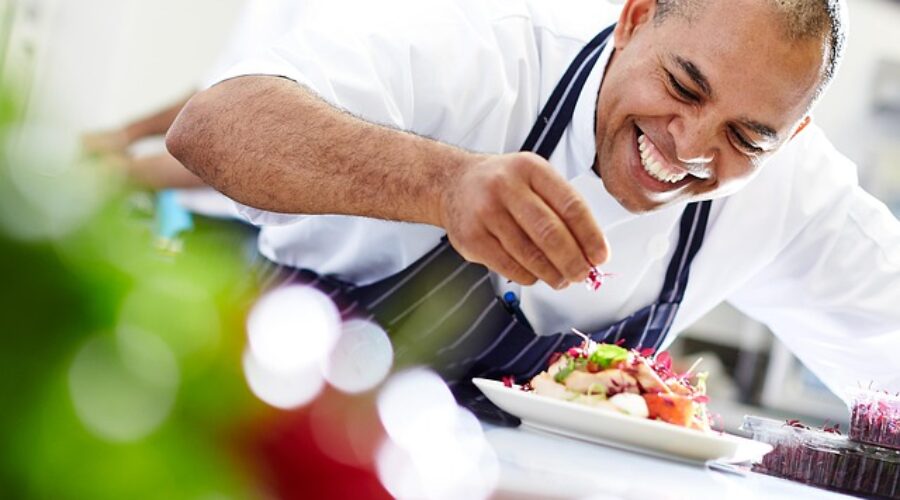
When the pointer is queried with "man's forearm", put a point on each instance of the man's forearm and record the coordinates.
(161, 171)
(156, 124)
(271, 144)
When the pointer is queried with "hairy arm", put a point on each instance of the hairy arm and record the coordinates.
(272, 144)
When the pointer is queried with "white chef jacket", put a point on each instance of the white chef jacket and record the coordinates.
(802, 248)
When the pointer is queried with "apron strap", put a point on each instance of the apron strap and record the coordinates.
(555, 117)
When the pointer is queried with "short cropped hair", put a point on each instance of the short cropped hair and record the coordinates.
(803, 20)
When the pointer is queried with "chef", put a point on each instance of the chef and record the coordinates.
(449, 168)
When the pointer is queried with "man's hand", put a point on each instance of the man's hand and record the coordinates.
(517, 216)
(109, 142)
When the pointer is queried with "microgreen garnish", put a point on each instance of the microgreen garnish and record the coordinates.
(563, 373)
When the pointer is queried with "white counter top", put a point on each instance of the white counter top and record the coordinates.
(538, 465)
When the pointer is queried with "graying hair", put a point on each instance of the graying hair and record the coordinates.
(803, 20)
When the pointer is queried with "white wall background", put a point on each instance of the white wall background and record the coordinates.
(844, 112)
(101, 62)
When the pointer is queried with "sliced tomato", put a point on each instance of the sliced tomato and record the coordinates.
(671, 408)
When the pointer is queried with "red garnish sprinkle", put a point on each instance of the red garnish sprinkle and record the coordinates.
(833, 429)
(620, 342)
(793, 422)
(595, 279)
(663, 365)
(574, 352)
(663, 359)
(702, 398)
(647, 352)
(508, 381)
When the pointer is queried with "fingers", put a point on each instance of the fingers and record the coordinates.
(523, 250)
(492, 254)
(574, 212)
(551, 236)
(515, 215)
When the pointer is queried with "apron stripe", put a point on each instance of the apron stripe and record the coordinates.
(549, 109)
(684, 257)
(456, 307)
(640, 341)
(274, 273)
(619, 329)
(588, 62)
(462, 338)
(512, 324)
(542, 362)
(431, 292)
(409, 276)
(519, 356)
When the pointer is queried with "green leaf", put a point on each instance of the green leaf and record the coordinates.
(606, 355)
(562, 374)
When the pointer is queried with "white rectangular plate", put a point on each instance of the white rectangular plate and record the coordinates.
(619, 430)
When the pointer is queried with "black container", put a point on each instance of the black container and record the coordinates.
(825, 459)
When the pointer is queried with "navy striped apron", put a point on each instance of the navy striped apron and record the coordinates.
(444, 311)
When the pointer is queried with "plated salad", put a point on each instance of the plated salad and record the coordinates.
(641, 383)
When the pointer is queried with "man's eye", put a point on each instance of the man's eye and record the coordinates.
(744, 144)
(681, 90)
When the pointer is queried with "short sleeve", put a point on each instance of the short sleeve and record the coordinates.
(439, 69)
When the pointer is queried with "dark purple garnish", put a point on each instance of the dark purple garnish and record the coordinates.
(824, 458)
(875, 419)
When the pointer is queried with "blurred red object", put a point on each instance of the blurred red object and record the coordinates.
(325, 450)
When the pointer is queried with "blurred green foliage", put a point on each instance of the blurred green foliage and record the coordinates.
(93, 280)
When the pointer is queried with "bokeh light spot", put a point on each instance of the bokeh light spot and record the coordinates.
(282, 389)
(52, 193)
(361, 358)
(292, 328)
(436, 448)
(123, 387)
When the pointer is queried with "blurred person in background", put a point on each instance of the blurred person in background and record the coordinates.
(259, 24)
(663, 122)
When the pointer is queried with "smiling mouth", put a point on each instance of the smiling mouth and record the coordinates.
(657, 167)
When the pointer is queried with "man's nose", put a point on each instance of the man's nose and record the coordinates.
(693, 141)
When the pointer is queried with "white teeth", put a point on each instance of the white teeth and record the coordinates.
(653, 167)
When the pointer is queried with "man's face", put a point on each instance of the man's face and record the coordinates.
(690, 108)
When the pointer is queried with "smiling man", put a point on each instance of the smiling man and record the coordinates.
(538, 137)
(691, 110)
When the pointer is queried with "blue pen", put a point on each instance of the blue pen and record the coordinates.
(512, 302)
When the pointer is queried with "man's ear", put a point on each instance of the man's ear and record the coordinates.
(803, 123)
(635, 14)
